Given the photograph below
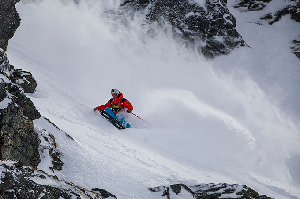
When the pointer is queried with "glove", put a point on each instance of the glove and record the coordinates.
(128, 110)
(95, 109)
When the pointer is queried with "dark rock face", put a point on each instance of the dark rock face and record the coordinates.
(18, 140)
(207, 191)
(209, 28)
(21, 182)
(24, 79)
(9, 21)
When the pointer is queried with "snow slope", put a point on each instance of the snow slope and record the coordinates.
(233, 119)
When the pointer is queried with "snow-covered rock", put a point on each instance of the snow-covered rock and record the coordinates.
(19, 181)
(207, 191)
(290, 7)
(206, 27)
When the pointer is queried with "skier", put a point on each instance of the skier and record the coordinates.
(114, 106)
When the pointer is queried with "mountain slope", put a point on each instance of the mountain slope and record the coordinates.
(211, 121)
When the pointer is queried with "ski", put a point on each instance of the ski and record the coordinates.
(115, 122)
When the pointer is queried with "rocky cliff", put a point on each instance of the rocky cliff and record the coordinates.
(209, 29)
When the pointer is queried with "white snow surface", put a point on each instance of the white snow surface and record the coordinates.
(234, 119)
(4, 103)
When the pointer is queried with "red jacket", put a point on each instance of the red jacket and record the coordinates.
(116, 104)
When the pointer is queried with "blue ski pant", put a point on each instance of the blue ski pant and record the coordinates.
(121, 118)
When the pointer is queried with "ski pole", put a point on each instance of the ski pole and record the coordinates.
(139, 118)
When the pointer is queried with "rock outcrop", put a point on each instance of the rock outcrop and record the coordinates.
(209, 28)
(23, 182)
(9, 21)
(49, 147)
(207, 191)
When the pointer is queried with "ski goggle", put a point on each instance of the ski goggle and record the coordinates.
(114, 91)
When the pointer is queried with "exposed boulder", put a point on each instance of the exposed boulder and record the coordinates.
(25, 80)
(207, 191)
(209, 28)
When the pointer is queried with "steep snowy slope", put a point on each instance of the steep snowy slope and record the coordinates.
(211, 121)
